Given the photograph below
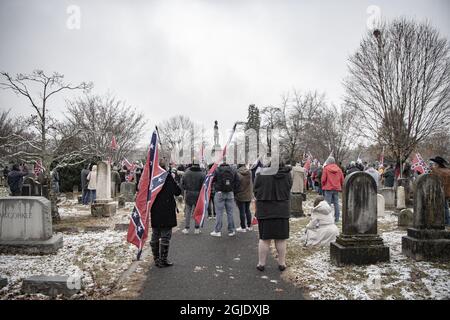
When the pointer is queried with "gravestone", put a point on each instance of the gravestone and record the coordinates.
(128, 191)
(359, 242)
(428, 239)
(26, 226)
(52, 285)
(103, 205)
(75, 192)
(389, 197)
(3, 282)
(401, 198)
(380, 206)
(405, 218)
(406, 184)
(296, 204)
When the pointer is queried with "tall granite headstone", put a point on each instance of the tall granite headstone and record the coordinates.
(401, 204)
(428, 239)
(103, 205)
(380, 206)
(26, 226)
(359, 242)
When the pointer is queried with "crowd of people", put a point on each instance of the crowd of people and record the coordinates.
(255, 194)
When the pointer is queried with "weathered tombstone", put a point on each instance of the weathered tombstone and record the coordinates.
(128, 191)
(296, 203)
(389, 197)
(75, 192)
(401, 198)
(380, 206)
(428, 239)
(405, 183)
(405, 218)
(52, 285)
(3, 282)
(121, 202)
(103, 205)
(359, 242)
(26, 226)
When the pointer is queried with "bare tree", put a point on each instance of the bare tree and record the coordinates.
(180, 133)
(46, 139)
(297, 115)
(332, 132)
(399, 85)
(99, 118)
(270, 117)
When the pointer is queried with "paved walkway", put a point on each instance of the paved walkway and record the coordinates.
(207, 267)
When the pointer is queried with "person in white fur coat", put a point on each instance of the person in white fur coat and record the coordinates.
(321, 230)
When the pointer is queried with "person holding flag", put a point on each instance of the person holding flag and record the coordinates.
(154, 201)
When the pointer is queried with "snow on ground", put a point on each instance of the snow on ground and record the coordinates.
(99, 258)
(401, 278)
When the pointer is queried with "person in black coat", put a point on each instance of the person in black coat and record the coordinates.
(163, 219)
(15, 179)
(272, 193)
(191, 184)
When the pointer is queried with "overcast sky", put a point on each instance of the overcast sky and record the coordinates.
(205, 59)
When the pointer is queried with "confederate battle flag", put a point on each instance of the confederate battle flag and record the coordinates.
(419, 165)
(201, 208)
(152, 179)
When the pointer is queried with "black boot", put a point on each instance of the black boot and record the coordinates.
(155, 251)
(164, 262)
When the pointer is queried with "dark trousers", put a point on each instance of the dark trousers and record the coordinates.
(211, 206)
(165, 234)
(244, 213)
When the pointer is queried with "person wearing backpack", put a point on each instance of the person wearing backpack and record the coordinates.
(225, 183)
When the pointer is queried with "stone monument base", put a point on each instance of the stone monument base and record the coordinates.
(32, 247)
(427, 244)
(52, 285)
(297, 205)
(103, 208)
(358, 250)
(405, 218)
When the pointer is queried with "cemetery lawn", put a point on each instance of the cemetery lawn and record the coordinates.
(401, 278)
(99, 255)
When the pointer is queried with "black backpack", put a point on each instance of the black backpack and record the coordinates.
(225, 179)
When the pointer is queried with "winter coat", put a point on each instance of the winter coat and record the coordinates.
(218, 176)
(389, 177)
(246, 185)
(298, 179)
(375, 175)
(15, 180)
(332, 178)
(444, 175)
(321, 230)
(163, 212)
(84, 179)
(92, 177)
(352, 169)
(273, 193)
(191, 184)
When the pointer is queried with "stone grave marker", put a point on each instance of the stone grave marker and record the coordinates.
(103, 205)
(380, 206)
(359, 242)
(389, 197)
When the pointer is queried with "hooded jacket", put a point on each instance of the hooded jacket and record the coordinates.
(332, 178)
(321, 230)
(245, 191)
(191, 184)
(272, 193)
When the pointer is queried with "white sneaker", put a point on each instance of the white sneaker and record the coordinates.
(241, 230)
(185, 231)
(249, 228)
(232, 234)
(216, 234)
(197, 231)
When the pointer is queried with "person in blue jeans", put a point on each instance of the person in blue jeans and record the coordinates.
(332, 182)
(225, 182)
